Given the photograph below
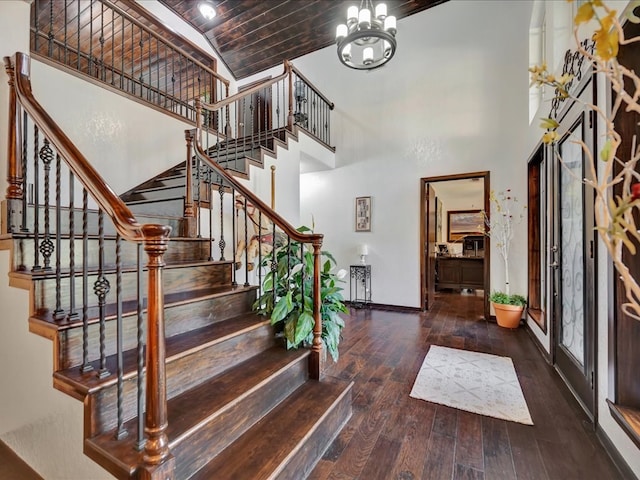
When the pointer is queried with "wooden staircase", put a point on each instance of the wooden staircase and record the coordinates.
(165, 193)
(238, 404)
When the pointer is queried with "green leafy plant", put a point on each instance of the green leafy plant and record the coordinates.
(291, 305)
(506, 299)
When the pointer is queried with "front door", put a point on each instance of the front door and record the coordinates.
(572, 254)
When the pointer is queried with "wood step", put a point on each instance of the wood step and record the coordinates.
(173, 206)
(184, 311)
(191, 358)
(210, 416)
(177, 277)
(179, 249)
(174, 221)
(288, 442)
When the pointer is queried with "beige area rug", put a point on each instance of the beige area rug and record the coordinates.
(472, 381)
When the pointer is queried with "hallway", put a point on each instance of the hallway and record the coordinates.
(393, 436)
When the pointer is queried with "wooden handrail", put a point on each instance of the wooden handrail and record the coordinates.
(164, 40)
(312, 86)
(124, 221)
(248, 91)
(253, 198)
(158, 463)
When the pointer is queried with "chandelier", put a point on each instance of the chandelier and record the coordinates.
(368, 39)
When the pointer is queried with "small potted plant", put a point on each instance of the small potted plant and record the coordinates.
(506, 214)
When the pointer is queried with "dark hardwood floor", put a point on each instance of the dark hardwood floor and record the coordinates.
(393, 436)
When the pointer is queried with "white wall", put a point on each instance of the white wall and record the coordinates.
(448, 102)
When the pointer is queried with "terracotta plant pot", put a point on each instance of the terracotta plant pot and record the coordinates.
(508, 316)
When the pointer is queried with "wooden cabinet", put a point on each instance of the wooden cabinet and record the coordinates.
(460, 272)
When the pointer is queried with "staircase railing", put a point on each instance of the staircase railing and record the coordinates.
(259, 115)
(43, 161)
(255, 231)
(107, 44)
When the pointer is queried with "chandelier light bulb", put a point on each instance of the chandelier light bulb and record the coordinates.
(346, 53)
(352, 14)
(367, 56)
(341, 31)
(387, 49)
(390, 24)
(381, 11)
(364, 18)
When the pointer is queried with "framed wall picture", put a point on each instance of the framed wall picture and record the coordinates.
(461, 223)
(363, 214)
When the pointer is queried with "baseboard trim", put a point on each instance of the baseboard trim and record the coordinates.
(384, 306)
(615, 456)
(546, 355)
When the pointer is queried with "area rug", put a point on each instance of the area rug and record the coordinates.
(472, 381)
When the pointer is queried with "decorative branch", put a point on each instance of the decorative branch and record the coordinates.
(614, 214)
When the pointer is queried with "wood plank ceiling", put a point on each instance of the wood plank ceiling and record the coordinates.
(253, 35)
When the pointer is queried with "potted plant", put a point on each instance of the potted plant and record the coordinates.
(290, 307)
(506, 214)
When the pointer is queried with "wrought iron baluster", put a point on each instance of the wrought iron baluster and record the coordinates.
(72, 251)
(66, 40)
(234, 231)
(121, 432)
(46, 246)
(260, 252)
(198, 176)
(101, 40)
(50, 35)
(86, 366)
(302, 272)
(288, 255)
(58, 313)
(274, 264)
(222, 243)
(36, 207)
(101, 288)
(25, 123)
(140, 352)
(36, 26)
(77, 37)
(90, 60)
(210, 199)
(246, 243)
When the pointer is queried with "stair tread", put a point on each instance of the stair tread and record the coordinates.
(145, 201)
(210, 399)
(177, 347)
(45, 316)
(259, 452)
(107, 269)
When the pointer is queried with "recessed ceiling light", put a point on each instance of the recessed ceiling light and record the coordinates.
(207, 10)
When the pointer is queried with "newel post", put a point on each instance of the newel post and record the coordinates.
(14, 192)
(158, 463)
(290, 116)
(189, 210)
(316, 360)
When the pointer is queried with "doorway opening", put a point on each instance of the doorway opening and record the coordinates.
(455, 254)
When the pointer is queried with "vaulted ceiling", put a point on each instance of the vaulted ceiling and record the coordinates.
(253, 35)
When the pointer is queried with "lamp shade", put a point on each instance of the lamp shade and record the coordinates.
(364, 249)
